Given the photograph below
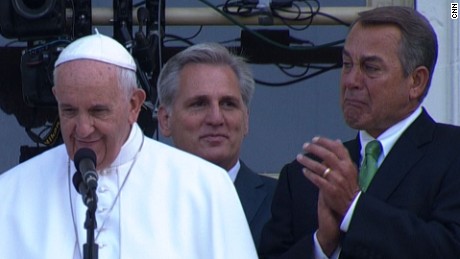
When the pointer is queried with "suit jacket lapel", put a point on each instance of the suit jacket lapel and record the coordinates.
(354, 149)
(404, 154)
(251, 197)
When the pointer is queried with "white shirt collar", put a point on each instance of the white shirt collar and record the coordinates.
(389, 137)
(233, 172)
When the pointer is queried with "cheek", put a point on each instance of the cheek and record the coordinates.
(182, 125)
(67, 131)
(66, 127)
(382, 96)
(191, 120)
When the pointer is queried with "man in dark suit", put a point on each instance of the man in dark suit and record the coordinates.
(204, 94)
(256, 193)
(325, 208)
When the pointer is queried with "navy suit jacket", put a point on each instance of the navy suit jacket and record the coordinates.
(411, 209)
(256, 193)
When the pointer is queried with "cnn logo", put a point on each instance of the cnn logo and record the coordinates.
(454, 11)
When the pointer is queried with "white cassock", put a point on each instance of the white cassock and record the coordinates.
(169, 205)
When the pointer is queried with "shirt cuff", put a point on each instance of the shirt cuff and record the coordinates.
(318, 251)
(346, 220)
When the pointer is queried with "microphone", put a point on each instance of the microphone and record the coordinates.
(77, 180)
(85, 163)
(82, 189)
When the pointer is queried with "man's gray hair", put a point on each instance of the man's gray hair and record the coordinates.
(203, 53)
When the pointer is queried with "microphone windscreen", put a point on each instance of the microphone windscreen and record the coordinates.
(83, 153)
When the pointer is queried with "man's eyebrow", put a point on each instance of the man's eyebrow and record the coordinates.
(365, 58)
(372, 58)
(229, 97)
(197, 97)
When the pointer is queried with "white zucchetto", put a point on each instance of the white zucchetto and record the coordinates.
(97, 47)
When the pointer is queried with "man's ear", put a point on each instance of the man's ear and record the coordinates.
(163, 121)
(419, 82)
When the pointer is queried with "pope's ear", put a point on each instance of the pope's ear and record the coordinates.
(136, 102)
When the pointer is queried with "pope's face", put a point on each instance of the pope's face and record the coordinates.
(94, 112)
(208, 117)
(375, 94)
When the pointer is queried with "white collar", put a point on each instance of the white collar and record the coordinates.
(130, 148)
(233, 172)
(389, 137)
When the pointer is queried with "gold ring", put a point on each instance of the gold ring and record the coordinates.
(326, 172)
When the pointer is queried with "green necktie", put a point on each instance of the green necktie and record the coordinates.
(369, 166)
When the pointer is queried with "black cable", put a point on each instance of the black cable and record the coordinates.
(187, 40)
(265, 39)
(284, 69)
(282, 84)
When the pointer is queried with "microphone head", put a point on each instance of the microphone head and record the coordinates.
(84, 153)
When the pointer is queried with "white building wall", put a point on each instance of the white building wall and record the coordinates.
(443, 101)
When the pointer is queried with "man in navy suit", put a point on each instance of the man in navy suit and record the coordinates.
(204, 94)
(411, 209)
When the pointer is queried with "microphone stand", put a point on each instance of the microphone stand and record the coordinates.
(90, 249)
(85, 180)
